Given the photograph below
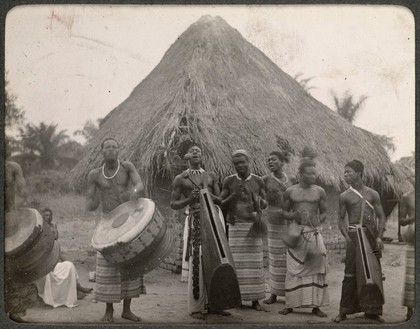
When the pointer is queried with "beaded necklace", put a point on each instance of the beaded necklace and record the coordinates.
(103, 171)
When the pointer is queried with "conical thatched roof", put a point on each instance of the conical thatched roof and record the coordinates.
(226, 94)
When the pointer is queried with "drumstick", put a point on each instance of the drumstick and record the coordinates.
(187, 176)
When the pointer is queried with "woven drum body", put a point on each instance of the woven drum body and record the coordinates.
(30, 248)
(133, 233)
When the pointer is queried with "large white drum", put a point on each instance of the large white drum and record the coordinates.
(30, 249)
(134, 235)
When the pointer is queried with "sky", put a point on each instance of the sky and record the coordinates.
(67, 64)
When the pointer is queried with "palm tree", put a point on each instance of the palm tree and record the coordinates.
(304, 82)
(44, 141)
(347, 106)
(89, 129)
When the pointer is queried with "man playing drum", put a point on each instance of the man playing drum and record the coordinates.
(114, 183)
(186, 194)
(306, 278)
(350, 202)
(242, 194)
(19, 296)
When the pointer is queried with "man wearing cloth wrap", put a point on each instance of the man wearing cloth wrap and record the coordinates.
(114, 183)
(242, 194)
(350, 202)
(185, 193)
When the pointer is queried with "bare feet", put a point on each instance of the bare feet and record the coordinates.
(198, 316)
(84, 289)
(108, 317)
(374, 317)
(318, 312)
(286, 311)
(128, 315)
(270, 300)
(222, 313)
(256, 306)
(339, 318)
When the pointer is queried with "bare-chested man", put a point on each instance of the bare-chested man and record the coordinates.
(19, 296)
(306, 277)
(115, 182)
(242, 194)
(186, 194)
(407, 219)
(276, 184)
(14, 183)
(351, 202)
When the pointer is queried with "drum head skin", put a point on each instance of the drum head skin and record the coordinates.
(22, 227)
(123, 224)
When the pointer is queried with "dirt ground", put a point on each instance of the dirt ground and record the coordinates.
(166, 299)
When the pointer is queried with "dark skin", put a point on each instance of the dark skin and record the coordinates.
(185, 193)
(274, 197)
(230, 196)
(406, 216)
(350, 204)
(47, 215)
(126, 185)
(306, 203)
(13, 183)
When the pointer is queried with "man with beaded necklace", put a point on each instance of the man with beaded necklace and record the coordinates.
(112, 184)
(186, 195)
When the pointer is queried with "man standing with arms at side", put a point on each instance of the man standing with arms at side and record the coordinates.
(351, 202)
(114, 182)
(242, 193)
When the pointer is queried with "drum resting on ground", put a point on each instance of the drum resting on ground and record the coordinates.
(134, 236)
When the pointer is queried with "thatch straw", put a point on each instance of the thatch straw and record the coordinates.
(226, 94)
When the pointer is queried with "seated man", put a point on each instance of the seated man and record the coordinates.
(60, 286)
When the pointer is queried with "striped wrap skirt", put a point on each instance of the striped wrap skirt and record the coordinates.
(110, 287)
(247, 253)
(277, 258)
(409, 285)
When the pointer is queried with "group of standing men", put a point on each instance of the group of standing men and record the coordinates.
(296, 272)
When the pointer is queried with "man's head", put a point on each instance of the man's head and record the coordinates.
(47, 215)
(353, 171)
(276, 160)
(307, 171)
(109, 148)
(240, 160)
(194, 155)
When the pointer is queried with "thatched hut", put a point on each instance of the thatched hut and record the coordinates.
(216, 87)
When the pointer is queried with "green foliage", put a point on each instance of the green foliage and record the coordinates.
(44, 141)
(89, 129)
(347, 106)
(14, 115)
(304, 82)
(47, 181)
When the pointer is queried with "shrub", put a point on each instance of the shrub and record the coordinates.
(48, 181)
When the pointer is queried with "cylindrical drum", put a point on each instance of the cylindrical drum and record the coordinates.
(30, 248)
(134, 235)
